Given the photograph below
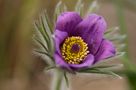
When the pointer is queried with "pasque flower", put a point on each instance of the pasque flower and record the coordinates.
(80, 43)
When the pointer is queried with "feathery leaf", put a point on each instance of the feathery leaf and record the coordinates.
(93, 7)
(79, 7)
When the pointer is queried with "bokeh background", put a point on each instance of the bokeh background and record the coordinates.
(19, 70)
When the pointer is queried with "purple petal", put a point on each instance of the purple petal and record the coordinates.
(91, 29)
(59, 38)
(67, 21)
(60, 62)
(106, 50)
(87, 63)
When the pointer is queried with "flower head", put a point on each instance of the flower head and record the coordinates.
(80, 43)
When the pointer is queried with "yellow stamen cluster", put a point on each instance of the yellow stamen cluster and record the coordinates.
(69, 55)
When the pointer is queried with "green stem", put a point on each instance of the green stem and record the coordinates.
(58, 79)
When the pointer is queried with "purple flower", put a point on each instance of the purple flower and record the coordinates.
(80, 43)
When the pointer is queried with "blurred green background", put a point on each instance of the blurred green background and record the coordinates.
(19, 70)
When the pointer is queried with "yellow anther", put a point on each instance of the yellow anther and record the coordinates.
(74, 50)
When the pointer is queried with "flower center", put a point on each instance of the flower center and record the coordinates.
(74, 50)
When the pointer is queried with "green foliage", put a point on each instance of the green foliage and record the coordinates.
(132, 79)
(60, 7)
(43, 38)
(79, 7)
(129, 66)
(100, 70)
